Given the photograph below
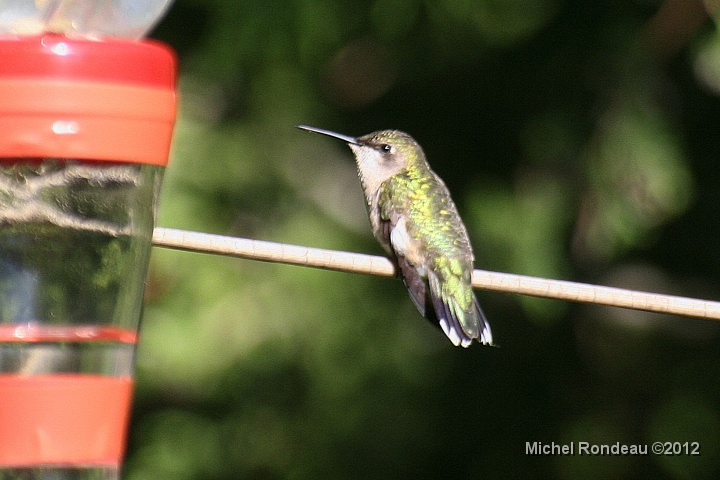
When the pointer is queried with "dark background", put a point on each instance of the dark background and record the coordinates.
(580, 141)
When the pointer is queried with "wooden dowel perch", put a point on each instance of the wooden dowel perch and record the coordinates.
(381, 266)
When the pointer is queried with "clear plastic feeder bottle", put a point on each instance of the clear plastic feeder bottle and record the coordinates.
(85, 129)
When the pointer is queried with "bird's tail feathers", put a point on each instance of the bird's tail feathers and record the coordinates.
(460, 325)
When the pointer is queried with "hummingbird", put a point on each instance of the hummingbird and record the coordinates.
(416, 221)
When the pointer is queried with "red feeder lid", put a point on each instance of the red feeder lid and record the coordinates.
(109, 100)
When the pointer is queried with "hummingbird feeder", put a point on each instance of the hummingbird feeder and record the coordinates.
(86, 117)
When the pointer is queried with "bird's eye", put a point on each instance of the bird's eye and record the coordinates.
(385, 148)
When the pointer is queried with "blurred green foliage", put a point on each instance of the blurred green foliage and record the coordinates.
(580, 141)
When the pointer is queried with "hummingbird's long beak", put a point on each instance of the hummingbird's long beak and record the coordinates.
(342, 137)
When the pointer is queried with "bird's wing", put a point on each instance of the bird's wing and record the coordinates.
(391, 231)
(402, 246)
